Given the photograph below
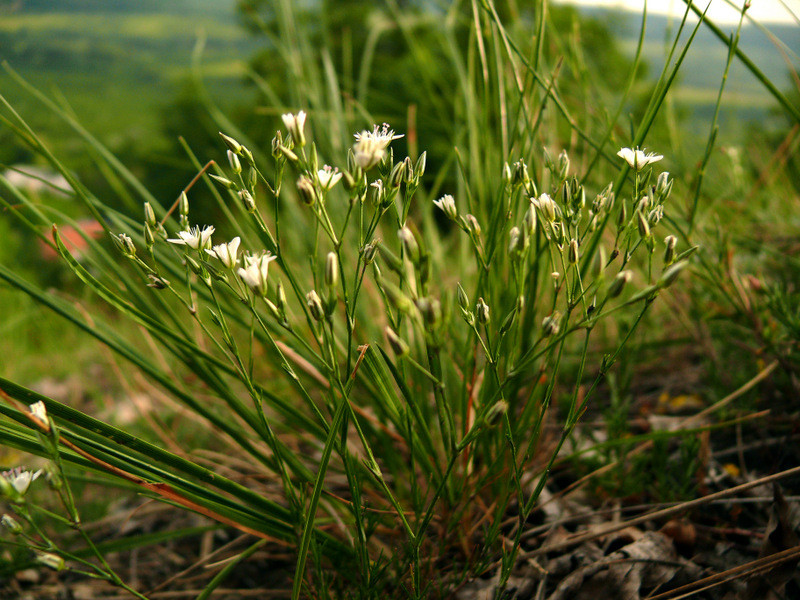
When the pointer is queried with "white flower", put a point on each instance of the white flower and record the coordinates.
(448, 206)
(294, 125)
(370, 146)
(20, 479)
(637, 159)
(227, 253)
(254, 274)
(195, 238)
(39, 411)
(328, 177)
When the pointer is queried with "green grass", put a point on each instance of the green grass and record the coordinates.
(392, 418)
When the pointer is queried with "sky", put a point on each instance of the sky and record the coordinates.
(721, 11)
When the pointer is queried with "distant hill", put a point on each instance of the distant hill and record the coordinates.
(702, 70)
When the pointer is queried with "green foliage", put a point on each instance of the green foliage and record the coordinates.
(377, 344)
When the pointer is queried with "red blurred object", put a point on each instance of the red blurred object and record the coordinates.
(72, 238)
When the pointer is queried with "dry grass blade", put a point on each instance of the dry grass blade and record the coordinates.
(660, 514)
(756, 566)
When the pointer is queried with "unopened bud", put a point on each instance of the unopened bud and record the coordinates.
(671, 274)
(184, 204)
(397, 175)
(149, 215)
(280, 299)
(547, 206)
(463, 299)
(307, 190)
(11, 524)
(552, 324)
(419, 168)
(125, 244)
(51, 561)
(482, 312)
(315, 305)
(573, 255)
(669, 254)
(563, 165)
(231, 143)
(529, 221)
(223, 181)
(277, 142)
(619, 283)
(233, 161)
(641, 223)
(369, 250)
(248, 201)
(495, 412)
(410, 245)
(398, 346)
(663, 186)
(473, 227)
(331, 270)
(149, 239)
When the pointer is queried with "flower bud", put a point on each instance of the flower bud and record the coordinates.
(641, 223)
(669, 254)
(307, 190)
(620, 281)
(519, 174)
(288, 154)
(473, 227)
(495, 412)
(663, 186)
(573, 255)
(248, 201)
(315, 305)
(397, 175)
(184, 204)
(231, 143)
(552, 324)
(149, 215)
(280, 299)
(410, 245)
(252, 177)
(125, 244)
(149, 239)
(295, 124)
(529, 221)
(11, 524)
(419, 168)
(563, 165)
(671, 274)
(223, 181)
(368, 251)
(482, 312)
(233, 160)
(398, 346)
(463, 299)
(51, 561)
(277, 142)
(331, 270)
(545, 204)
